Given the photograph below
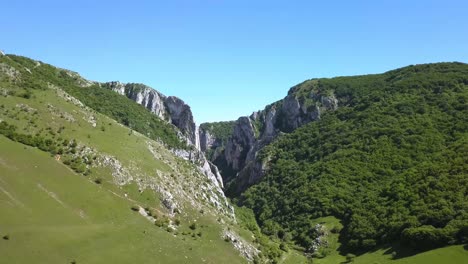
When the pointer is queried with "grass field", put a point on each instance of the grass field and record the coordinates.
(53, 215)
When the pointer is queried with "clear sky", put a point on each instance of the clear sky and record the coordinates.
(229, 58)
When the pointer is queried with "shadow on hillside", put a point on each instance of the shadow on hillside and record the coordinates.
(393, 251)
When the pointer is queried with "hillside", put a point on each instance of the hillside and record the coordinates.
(80, 184)
(386, 154)
(364, 169)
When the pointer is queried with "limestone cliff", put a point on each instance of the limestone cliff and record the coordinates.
(169, 108)
(237, 155)
(175, 111)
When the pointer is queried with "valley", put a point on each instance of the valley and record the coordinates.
(360, 169)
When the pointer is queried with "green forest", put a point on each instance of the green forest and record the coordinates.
(220, 130)
(391, 162)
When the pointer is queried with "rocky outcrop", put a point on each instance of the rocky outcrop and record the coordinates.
(240, 143)
(168, 108)
(175, 111)
(245, 248)
(181, 116)
(207, 141)
(198, 158)
(238, 161)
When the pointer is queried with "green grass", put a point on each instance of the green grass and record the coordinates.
(451, 254)
(293, 257)
(53, 215)
(89, 224)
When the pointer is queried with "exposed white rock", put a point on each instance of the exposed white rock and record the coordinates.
(9, 71)
(176, 112)
(117, 87)
(120, 174)
(246, 249)
(60, 113)
(240, 153)
(26, 108)
(240, 143)
(168, 108)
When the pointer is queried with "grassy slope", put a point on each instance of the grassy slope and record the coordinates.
(89, 224)
(93, 223)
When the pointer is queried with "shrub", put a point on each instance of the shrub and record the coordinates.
(6, 237)
(193, 226)
(335, 230)
(350, 257)
(284, 247)
(161, 222)
(98, 181)
(425, 237)
(135, 208)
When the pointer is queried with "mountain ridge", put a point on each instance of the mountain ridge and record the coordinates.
(385, 135)
(282, 164)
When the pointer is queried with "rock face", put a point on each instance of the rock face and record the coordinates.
(240, 143)
(181, 116)
(169, 108)
(173, 110)
(207, 141)
(238, 161)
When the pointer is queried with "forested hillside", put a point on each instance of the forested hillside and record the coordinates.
(391, 162)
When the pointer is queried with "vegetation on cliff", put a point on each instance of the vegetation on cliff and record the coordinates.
(391, 162)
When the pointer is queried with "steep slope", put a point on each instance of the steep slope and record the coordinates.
(171, 109)
(214, 136)
(174, 111)
(386, 154)
(235, 154)
(78, 185)
(52, 215)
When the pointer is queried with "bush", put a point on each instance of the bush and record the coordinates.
(284, 247)
(6, 237)
(98, 181)
(162, 222)
(335, 230)
(425, 237)
(193, 226)
(350, 257)
(135, 208)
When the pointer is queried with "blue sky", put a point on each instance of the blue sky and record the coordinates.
(229, 58)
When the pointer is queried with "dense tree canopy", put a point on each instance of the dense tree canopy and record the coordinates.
(220, 130)
(391, 162)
